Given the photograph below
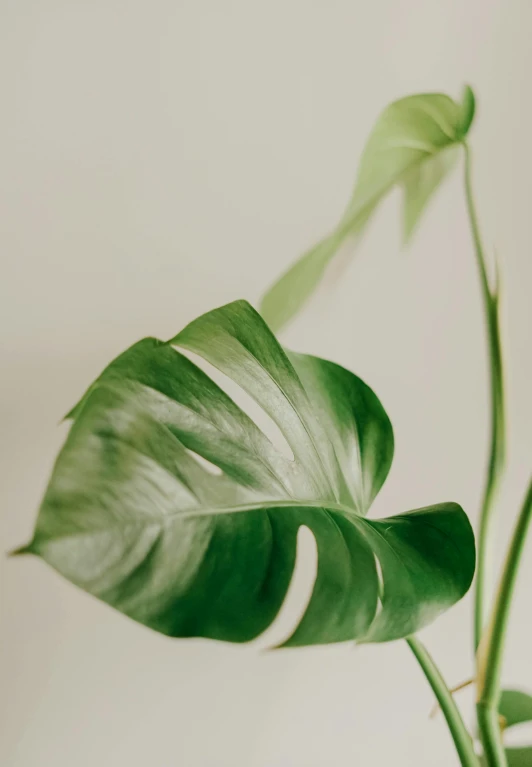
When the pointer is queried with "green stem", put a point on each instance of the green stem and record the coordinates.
(497, 437)
(491, 650)
(459, 733)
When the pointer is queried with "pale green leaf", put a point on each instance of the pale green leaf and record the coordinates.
(421, 183)
(409, 148)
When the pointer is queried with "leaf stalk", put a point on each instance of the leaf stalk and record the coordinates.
(491, 650)
(490, 298)
(461, 737)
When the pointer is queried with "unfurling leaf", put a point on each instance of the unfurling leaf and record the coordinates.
(413, 145)
(134, 516)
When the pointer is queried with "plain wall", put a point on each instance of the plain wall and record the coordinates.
(159, 159)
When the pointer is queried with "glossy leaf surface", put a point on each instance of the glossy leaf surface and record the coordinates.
(134, 515)
(413, 146)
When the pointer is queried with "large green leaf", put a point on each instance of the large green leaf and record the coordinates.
(135, 516)
(413, 145)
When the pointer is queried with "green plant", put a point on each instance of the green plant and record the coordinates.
(414, 144)
(170, 503)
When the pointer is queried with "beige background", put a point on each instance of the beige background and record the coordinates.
(159, 159)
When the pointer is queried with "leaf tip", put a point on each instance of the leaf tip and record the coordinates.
(409, 227)
(27, 548)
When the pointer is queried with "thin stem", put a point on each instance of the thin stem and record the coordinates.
(497, 438)
(459, 733)
(453, 690)
(491, 650)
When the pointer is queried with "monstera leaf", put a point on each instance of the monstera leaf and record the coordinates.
(136, 515)
(414, 144)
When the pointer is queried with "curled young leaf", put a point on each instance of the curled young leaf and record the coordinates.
(134, 516)
(413, 145)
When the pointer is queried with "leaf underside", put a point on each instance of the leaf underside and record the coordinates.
(134, 515)
(413, 146)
